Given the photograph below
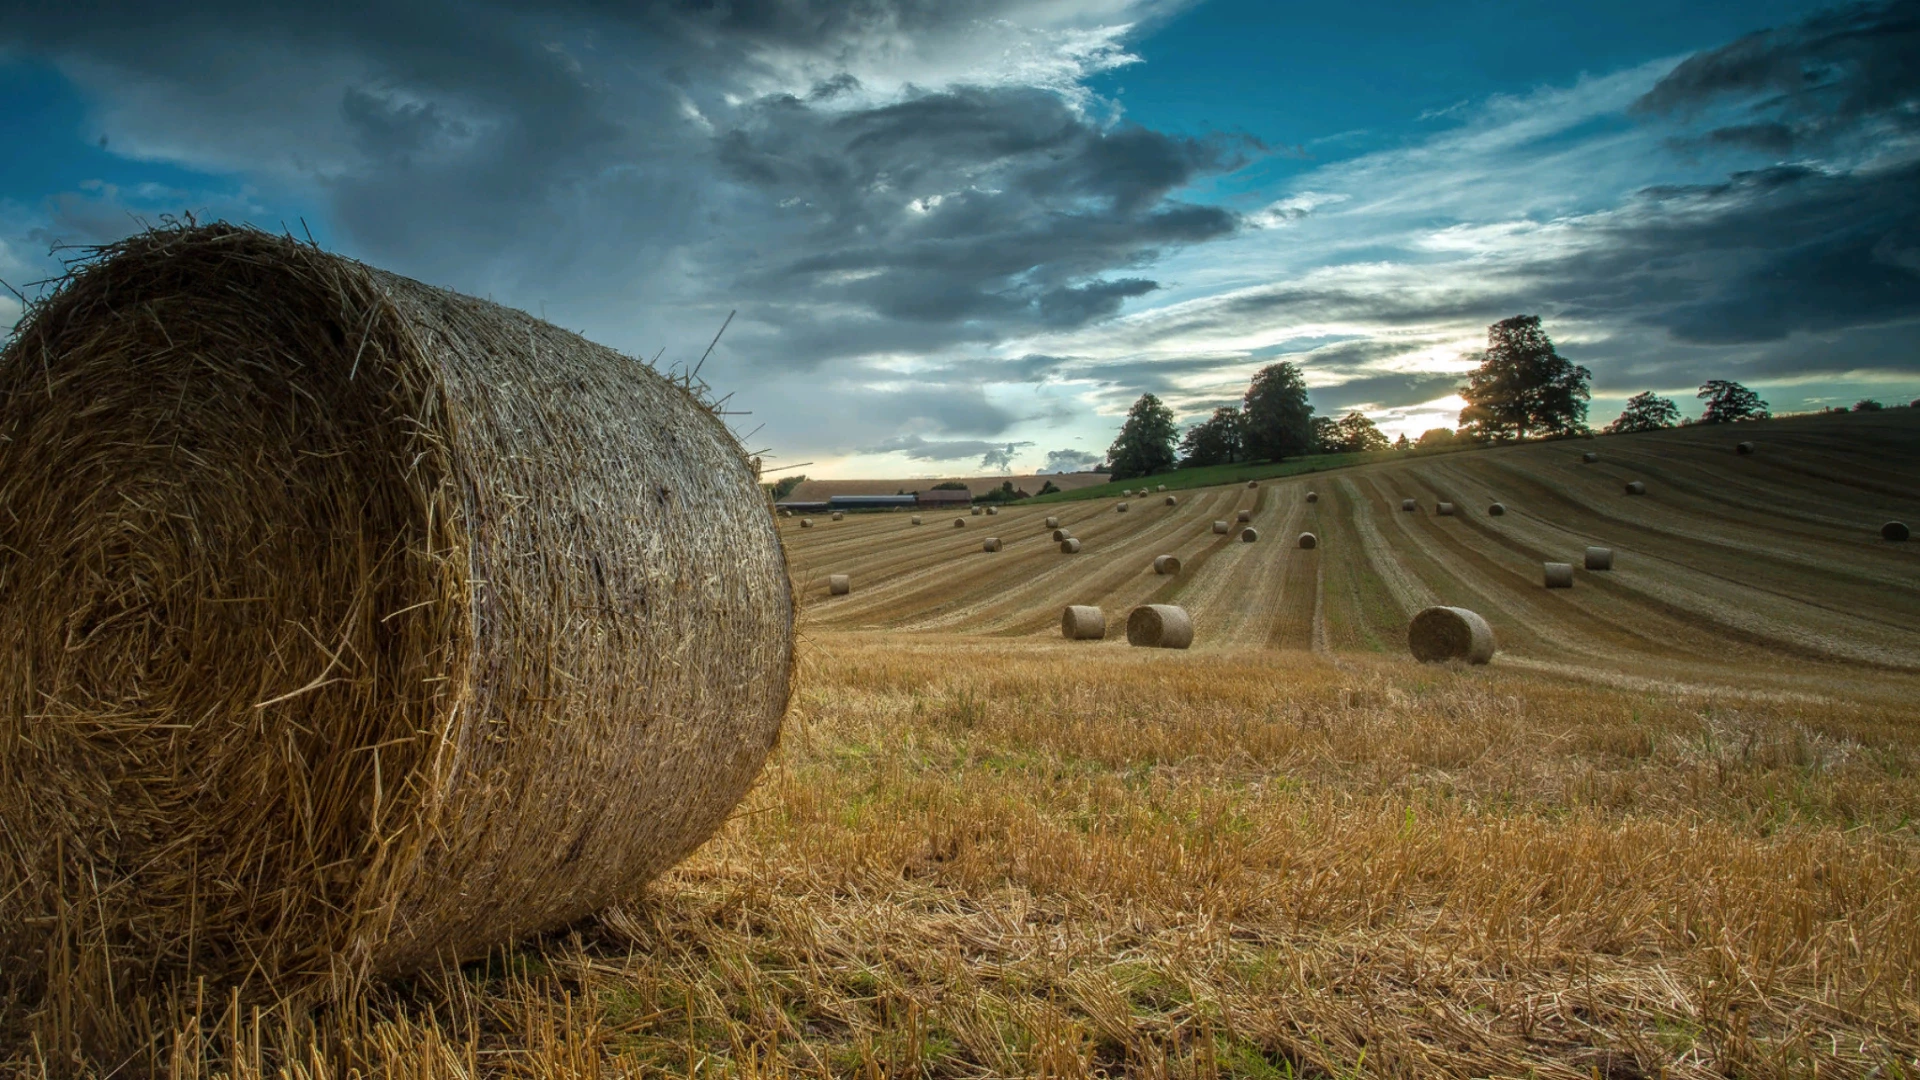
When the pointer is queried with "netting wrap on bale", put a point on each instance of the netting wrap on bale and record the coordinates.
(1450, 633)
(1083, 622)
(1159, 626)
(351, 624)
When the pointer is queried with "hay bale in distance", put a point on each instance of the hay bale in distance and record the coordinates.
(1173, 500)
(959, 523)
(1243, 516)
(993, 511)
(806, 523)
(1120, 508)
(1166, 564)
(1249, 535)
(1559, 575)
(839, 584)
(1409, 505)
(786, 513)
(1444, 509)
(839, 515)
(1497, 510)
(1069, 546)
(991, 543)
(1743, 448)
(1589, 457)
(1599, 558)
(1449, 633)
(1083, 622)
(1895, 531)
(1220, 527)
(975, 512)
(363, 468)
(1253, 484)
(1053, 523)
(1126, 493)
(1159, 626)
(1160, 487)
(1313, 496)
(916, 519)
(1309, 541)
(1060, 534)
(1635, 487)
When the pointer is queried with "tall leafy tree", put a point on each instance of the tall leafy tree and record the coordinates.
(1357, 433)
(1145, 445)
(1403, 443)
(1728, 402)
(1217, 440)
(1279, 422)
(1646, 412)
(1523, 387)
(1326, 435)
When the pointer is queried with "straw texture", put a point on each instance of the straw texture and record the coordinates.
(1559, 575)
(1159, 626)
(1599, 558)
(1450, 633)
(839, 584)
(350, 623)
(1166, 564)
(1083, 622)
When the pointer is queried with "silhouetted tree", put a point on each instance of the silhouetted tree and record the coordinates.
(1217, 440)
(1646, 412)
(1403, 443)
(1145, 445)
(1433, 437)
(1867, 405)
(784, 486)
(1352, 432)
(1728, 402)
(1278, 420)
(1523, 387)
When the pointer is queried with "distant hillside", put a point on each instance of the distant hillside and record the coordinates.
(820, 490)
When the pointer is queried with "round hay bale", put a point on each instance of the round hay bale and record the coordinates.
(993, 511)
(1159, 626)
(1589, 457)
(806, 523)
(1449, 633)
(1895, 531)
(786, 513)
(839, 515)
(1444, 509)
(1166, 564)
(1243, 516)
(1127, 492)
(1309, 541)
(1220, 527)
(839, 584)
(1053, 523)
(1409, 505)
(1069, 546)
(1743, 448)
(1313, 496)
(959, 523)
(991, 543)
(1120, 508)
(1248, 536)
(1253, 483)
(1083, 622)
(1497, 510)
(975, 512)
(408, 624)
(1160, 487)
(1173, 500)
(1635, 487)
(1599, 558)
(1559, 575)
(1060, 534)
(916, 519)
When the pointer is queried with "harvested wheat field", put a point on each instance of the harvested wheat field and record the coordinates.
(1668, 831)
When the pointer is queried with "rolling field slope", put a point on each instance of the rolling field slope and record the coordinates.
(1769, 563)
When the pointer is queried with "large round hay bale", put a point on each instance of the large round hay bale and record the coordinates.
(1059, 535)
(1173, 500)
(959, 523)
(1243, 516)
(839, 515)
(1559, 575)
(1069, 546)
(1896, 531)
(993, 511)
(1120, 508)
(1313, 496)
(1053, 523)
(1450, 633)
(991, 543)
(1083, 622)
(1249, 535)
(362, 625)
(1159, 626)
(1409, 505)
(1444, 509)
(1166, 564)
(1636, 487)
(806, 523)
(1599, 558)
(1743, 448)
(915, 519)
(1220, 527)
(1497, 510)
(1309, 541)
(1589, 457)
(839, 584)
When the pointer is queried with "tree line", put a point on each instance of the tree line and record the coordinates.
(1523, 389)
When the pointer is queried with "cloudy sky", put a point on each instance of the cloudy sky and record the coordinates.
(966, 234)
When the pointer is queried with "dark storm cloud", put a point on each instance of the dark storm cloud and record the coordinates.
(1071, 460)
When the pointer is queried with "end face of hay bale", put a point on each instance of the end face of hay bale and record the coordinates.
(839, 515)
(1120, 508)
(959, 523)
(1053, 523)
(1069, 546)
(1599, 558)
(1444, 509)
(1249, 535)
(991, 543)
(975, 512)
(1439, 634)
(1309, 541)
(1253, 484)
(1497, 510)
(1743, 448)
(915, 519)
(1635, 487)
(1243, 516)
(1060, 534)
(1172, 501)
(1159, 626)
(1895, 531)
(1558, 575)
(1166, 564)
(1313, 496)
(993, 511)
(839, 584)
(1589, 457)
(806, 523)
(1409, 505)
(1083, 622)
(1220, 527)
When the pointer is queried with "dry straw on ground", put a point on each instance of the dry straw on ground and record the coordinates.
(1599, 558)
(991, 543)
(1497, 510)
(1636, 487)
(1896, 531)
(1450, 633)
(1220, 527)
(1069, 546)
(1166, 564)
(1249, 535)
(350, 623)
(1558, 575)
(1309, 541)
(1159, 626)
(1083, 622)
(839, 584)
